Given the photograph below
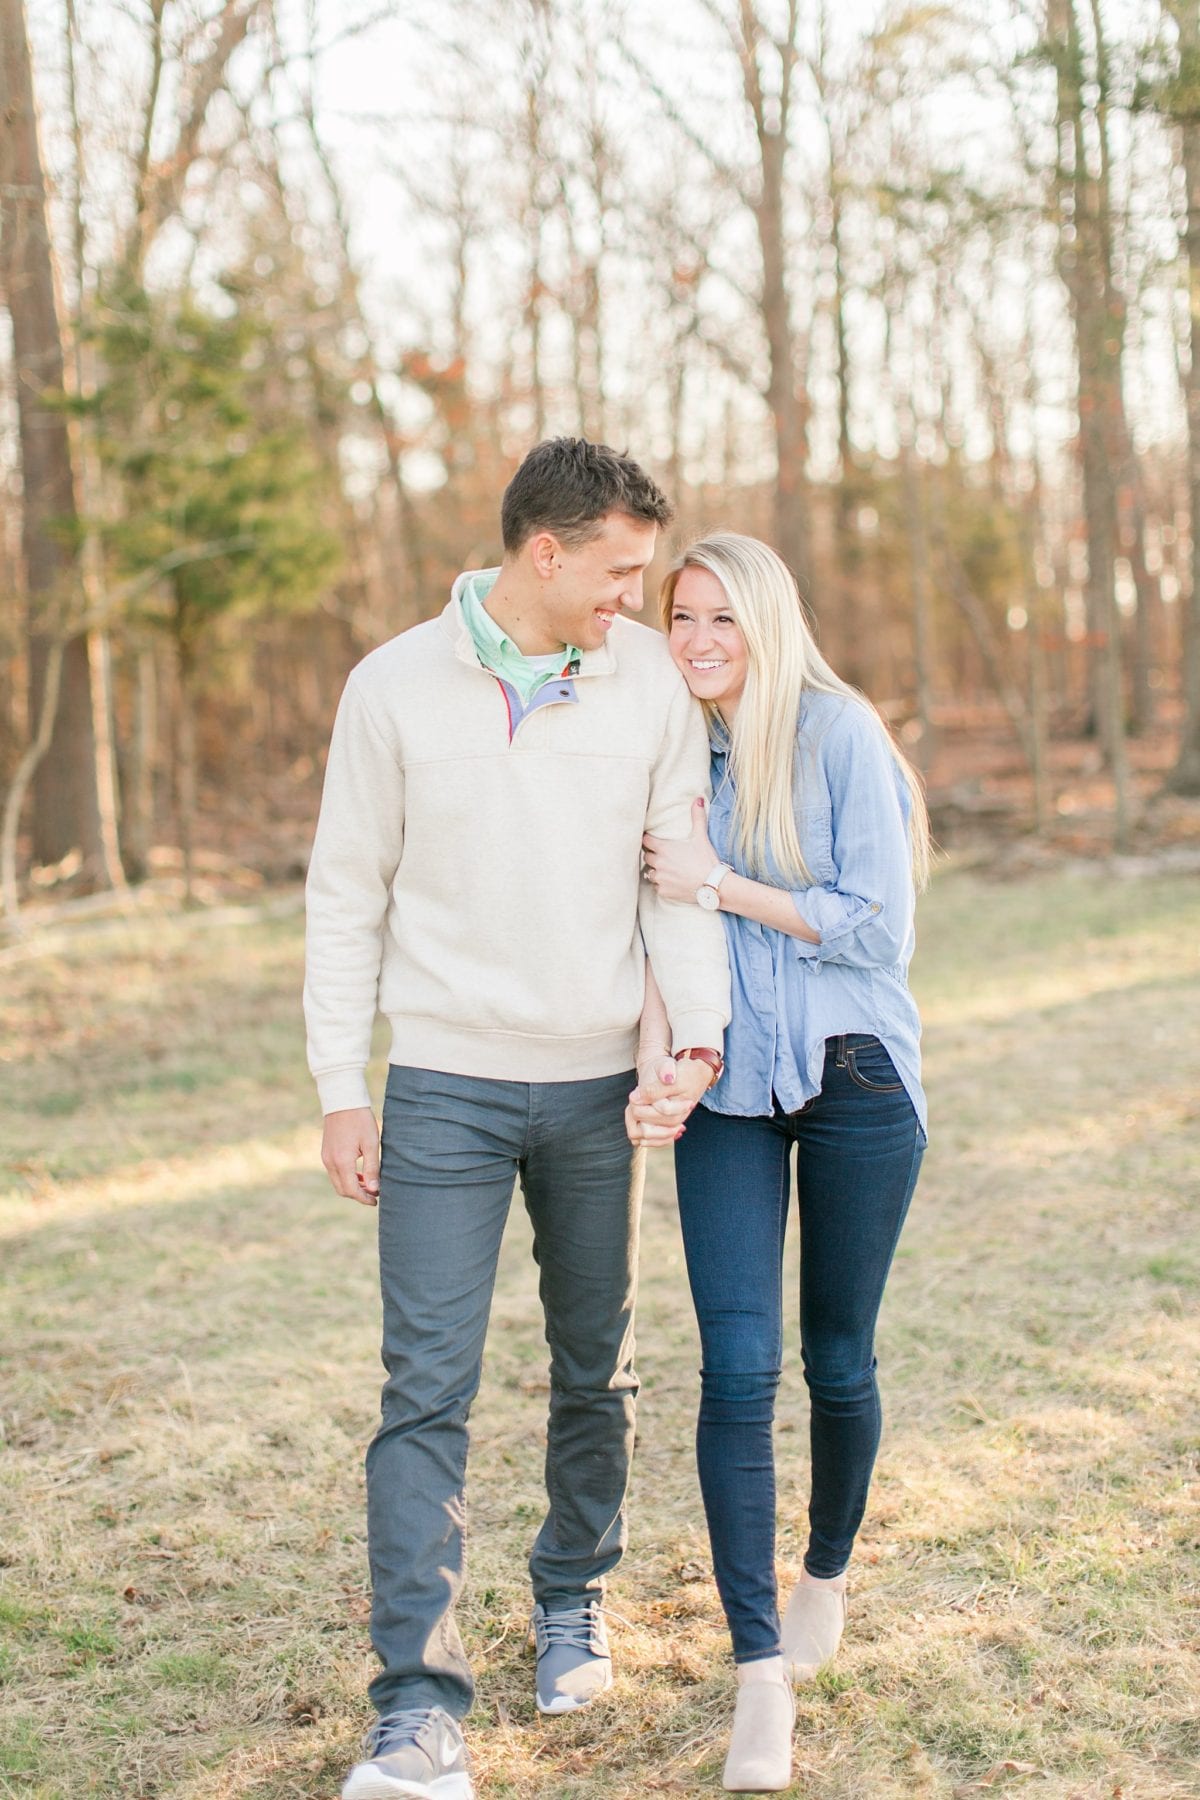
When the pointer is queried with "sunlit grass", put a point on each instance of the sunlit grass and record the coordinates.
(190, 1368)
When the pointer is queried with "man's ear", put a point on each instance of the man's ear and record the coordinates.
(546, 554)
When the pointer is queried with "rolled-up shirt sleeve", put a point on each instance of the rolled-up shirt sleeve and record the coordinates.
(864, 915)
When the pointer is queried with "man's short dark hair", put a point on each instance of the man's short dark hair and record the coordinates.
(567, 485)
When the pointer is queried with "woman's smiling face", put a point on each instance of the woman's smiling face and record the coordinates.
(705, 642)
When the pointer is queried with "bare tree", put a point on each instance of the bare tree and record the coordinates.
(372, 363)
(86, 462)
(767, 65)
(1082, 182)
(67, 811)
(158, 183)
(770, 110)
(1185, 776)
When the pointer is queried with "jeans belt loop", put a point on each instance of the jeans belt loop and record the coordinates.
(840, 1058)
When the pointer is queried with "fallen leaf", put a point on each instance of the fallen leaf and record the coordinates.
(997, 1772)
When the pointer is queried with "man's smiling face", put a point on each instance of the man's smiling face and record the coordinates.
(584, 589)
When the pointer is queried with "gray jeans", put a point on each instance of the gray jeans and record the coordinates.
(452, 1147)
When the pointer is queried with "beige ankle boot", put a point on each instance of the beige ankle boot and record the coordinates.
(812, 1626)
(760, 1749)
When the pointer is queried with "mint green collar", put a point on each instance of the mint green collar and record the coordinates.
(495, 649)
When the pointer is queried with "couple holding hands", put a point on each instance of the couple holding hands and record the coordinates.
(545, 863)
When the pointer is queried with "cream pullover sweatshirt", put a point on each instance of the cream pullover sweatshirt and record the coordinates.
(483, 889)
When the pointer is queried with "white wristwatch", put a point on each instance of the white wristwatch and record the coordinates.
(708, 893)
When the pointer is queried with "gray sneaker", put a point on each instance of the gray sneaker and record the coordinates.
(573, 1663)
(418, 1753)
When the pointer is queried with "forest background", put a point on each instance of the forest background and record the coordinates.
(289, 288)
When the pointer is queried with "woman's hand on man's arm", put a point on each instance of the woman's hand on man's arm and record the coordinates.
(666, 1094)
(678, 866)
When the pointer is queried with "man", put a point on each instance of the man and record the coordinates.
(475, 875)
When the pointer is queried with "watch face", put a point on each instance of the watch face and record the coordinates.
(708, 898)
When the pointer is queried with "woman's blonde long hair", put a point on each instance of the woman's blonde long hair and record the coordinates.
(784, 663)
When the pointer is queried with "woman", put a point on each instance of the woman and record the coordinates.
(813, 845)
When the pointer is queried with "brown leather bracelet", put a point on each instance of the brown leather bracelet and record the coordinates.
(713, 1058)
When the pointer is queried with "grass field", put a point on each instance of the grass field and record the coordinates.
(188, 1377)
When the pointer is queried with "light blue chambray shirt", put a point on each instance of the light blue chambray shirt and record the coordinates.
(788, 995)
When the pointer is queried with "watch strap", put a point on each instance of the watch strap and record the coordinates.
(703, 1053)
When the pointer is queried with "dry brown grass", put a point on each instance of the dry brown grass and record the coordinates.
(189, 1372)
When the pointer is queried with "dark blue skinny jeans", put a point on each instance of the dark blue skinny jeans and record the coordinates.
(858, 1152)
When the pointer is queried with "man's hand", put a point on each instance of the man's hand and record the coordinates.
(348, 1137)
(666, 1093)
(678, 866)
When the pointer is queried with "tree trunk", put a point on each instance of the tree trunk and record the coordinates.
(1185, 775)
(91, 556)
(918, 551)
(784, 397)
(791, 505)
(24, 773)
(1149, 604)
(1097, 308)
(185, 756)
(137, 818)
(67, 812)
(413, 544)
(854, 640)
(1029, 527)
(533, 220)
